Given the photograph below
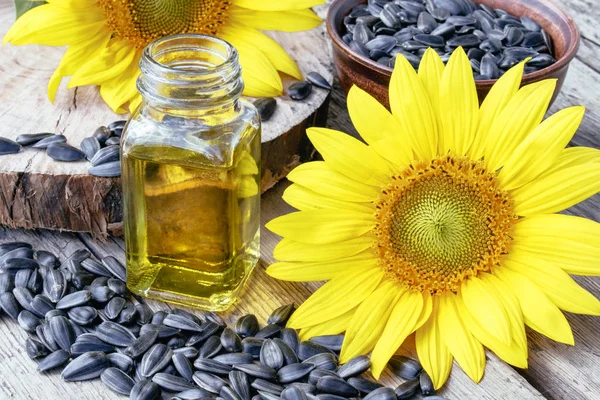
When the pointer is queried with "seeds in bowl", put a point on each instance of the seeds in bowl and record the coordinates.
(494, 39)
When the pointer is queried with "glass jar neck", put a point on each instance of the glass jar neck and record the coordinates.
(190, 74)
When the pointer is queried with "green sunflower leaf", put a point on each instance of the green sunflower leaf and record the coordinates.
(22, 6)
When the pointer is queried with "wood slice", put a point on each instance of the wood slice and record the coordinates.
(38, 192)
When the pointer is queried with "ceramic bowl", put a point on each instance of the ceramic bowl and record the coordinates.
(354, 69)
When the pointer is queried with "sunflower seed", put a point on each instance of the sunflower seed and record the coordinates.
(328, 396)
(434, 398)
(101, 294)
(280, 315)
(143, 311)
(308, 349)
(17, 263)
(35, 348)
(306, 388)
(318, 80)
(113, 141)
(207, 330)
(383, 393)
(23, 297)
(208, 382)
(163, 331)
(76, 299)
(106, 155)
(120, 361)
(22, 277)
(35, 282)
(7, 282)
(426, 384)
(8, 146)
(293, 372)
(214, 318)
(234, 358)
(172, 383)
(106, 170)
(27, 321)
(141, 344)
(115, 125)
(95, 267)
(192, 394)
(266, 107)
(53, 360)
(405, 367)
(355, 366)
(212, 366)
(47, 141)
(271, 355)
(268, 331)
(145, 390)
(337, 386)
(267, 396)
(79, 348)
(87, 366)
(317, 374)
(115, 334)
(115, 267)
(45, 336)
(252, 346)
(113, 307)
(31, 138)
(100, 281)
(323, 361)
(541, 61)
(332, 342)
(290, 337)
(246, 325)
(20, 252)
(55, 285)
(183, 366)
(257, 371)
(407, 389)
(293, 393)
(299, 90)
(188, 352)
(155, 359)
(227, 393)
(8, 246)
(117, 380)
(289, 356)
(9, 304)
(128, 315)
(101, 134)
(176, 342)
(240, 384)
(64, 152)
(262, 385)
(231, 341)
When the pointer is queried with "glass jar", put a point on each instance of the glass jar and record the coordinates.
(191, 175)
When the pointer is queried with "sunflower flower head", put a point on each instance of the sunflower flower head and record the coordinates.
(105, 38)
(444, 223)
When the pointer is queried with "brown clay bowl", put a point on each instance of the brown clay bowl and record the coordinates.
(354, 69)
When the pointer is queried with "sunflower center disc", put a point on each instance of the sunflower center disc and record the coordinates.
(142, 21)
(441, 222)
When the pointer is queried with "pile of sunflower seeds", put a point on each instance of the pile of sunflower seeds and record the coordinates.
(80, 317)
(101, 149)
(495, 40)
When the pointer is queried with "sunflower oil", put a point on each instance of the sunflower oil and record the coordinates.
(191, 178)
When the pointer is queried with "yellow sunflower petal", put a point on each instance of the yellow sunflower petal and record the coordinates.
(336, 297)
(520, 116)
(569, 227)
(235, 33)
(511, 353)
(557, 191)
(430, 73)
(303, 198)
(322, 226)
(487, 308)
(277, 5)
(289, 250)
(557, 284)
(426, 311)
(49, 25)
(400, 324)
(369, 321)
(495, 101)
(112, 61)
(467, 350)
(539, 150)
(322, 270)
(122, 89)
(349, 156)
(539, 311)
(287, 21)
(379, 128)
(431, 349)
(331, 327)
(459, 104)
(318, 176)
(411, 106)
(571, 157)
(260, 76)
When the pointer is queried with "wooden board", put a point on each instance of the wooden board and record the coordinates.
(36, 191)
(20, 381)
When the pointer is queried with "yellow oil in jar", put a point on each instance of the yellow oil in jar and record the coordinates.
(192, 227)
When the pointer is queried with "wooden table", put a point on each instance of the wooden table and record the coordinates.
(556, 371)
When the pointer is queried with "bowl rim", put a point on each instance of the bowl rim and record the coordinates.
(570, 52)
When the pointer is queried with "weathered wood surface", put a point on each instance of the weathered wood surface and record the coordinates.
(36, 191)
(556, 371)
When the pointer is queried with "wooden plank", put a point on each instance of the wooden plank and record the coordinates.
(262, 295)
(36, 191)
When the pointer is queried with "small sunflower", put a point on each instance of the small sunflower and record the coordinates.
(105, 38)
(444, 224)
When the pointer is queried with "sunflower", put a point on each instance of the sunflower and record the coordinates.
(444, 224)
(105, 38)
